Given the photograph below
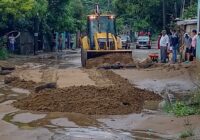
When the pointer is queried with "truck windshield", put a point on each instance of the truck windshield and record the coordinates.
(143, 38)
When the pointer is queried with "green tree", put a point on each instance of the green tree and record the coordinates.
(59, 17)
(19, 12)
(191, 11)
(138, 14)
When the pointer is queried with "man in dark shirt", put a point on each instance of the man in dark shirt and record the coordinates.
(174, 43)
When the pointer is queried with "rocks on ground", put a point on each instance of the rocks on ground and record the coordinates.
(6, 68)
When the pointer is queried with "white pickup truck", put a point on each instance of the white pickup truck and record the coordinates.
(143, 41)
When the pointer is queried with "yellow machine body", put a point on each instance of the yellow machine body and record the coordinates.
(101, 38)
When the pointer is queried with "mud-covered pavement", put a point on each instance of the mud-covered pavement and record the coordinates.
(150, 123)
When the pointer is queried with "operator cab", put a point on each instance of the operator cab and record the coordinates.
(103, 27)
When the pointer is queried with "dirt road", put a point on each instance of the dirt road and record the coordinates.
(65, 70)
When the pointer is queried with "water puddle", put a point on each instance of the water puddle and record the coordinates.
(90, 133)
(148, 135)
(21, 91)
(9, 94)
(159, 85)
(63, 122)
(151, 105)
(54, 120)
(27, 117)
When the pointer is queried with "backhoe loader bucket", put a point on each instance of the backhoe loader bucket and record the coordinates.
(90, 54)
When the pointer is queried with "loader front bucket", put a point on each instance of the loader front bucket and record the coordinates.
(90, 54)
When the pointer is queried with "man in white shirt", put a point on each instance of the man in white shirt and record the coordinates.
(164, 42)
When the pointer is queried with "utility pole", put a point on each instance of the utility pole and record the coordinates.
(175, 9)
(36, 30)
(183, 9)
(164, 15)
(108, 5)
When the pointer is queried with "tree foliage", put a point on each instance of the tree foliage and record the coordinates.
(191, 11)
(70, 15)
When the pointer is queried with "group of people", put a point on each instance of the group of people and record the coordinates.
(60, 39)
(169, 46)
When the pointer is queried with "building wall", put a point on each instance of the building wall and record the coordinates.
(189, 28)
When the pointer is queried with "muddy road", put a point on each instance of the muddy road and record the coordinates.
(64, 69)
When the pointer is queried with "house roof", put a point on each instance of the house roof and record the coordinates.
(187, 22)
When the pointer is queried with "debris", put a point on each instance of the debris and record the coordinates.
(9, 79)
(20, 83)
(10, 68)
(145, 63)
(5, 72)
(110, 60)
(45, 86)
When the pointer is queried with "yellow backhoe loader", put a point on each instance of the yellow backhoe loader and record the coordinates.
(101, 37)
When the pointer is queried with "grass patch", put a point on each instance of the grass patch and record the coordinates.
(3, 53)
(181, 109)
(187, 133)
(185, 108)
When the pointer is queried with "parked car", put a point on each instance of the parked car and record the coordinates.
(125, 39)
(143, 41)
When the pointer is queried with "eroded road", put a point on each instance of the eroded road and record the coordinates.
(66, 71)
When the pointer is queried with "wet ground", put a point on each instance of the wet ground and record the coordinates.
(151, 124)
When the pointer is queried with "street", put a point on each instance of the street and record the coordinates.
(65, 69)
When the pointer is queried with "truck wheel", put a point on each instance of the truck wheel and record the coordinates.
(149, 47)
(83, 57)
(137, 47)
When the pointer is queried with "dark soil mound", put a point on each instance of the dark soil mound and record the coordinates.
(122, 58)
(121, 98)
(87, 100)
(17, 82)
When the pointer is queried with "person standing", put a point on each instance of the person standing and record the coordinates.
(174, 44)
(60, 42)
(164, 42)
(187, 46)
(12, 43)
(193, 44)
(159, 37)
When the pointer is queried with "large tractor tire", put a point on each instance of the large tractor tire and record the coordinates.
(83, 57)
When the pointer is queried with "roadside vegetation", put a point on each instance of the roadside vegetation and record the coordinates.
(186, 134)
(51, 16)
(185, 108)
(70, 15)
(3, 50)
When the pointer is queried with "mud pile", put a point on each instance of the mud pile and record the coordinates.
(20, 83)
(120, 98)
(123, 59)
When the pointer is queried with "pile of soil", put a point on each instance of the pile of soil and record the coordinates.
(20, 83)
(109, 59)
(119, 98)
